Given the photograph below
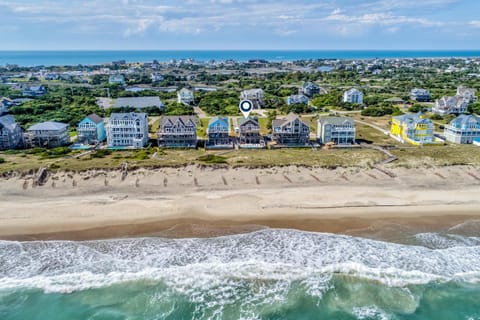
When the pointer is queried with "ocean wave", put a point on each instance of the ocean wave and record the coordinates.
(268, 256)
(444, 241)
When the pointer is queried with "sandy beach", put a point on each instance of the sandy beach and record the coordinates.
(205, 201)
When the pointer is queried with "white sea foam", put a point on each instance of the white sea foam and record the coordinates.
(273, 258)
(443, 241)
(370, 313)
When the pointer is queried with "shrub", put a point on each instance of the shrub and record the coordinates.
(212, 158)
(436, 117)
(141, 155)
(101, 153)
(2, 160)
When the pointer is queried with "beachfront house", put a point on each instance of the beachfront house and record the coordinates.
(127, 130)
(185, 96)
(420, 95)
(218, 133)
(91, 130)
(249, 133)
(48, 134)
(310, 89)
(256, 96)
(139, 103)
(412, 128)
(339, 130)
(468, 93)
(11, 135)
(353, 96)
(463, 129)
(297, 99)
(290, 131)
(34, 91)
(177, 132)
(450, 105)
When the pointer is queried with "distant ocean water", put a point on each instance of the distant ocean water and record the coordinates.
(269, 274)
(59, 58)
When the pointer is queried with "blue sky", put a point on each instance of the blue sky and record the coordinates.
(239, 24)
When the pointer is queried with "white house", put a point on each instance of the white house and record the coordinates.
(257, 96)
(185, 96)
(449, 105)
(127, 130)
(339, 130)
(353, 96)
(468, 93)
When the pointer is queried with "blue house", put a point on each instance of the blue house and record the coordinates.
(218, 133)
(297, 99)
(34, 91)
(91, 130)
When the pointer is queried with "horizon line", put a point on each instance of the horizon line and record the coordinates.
(242, 50)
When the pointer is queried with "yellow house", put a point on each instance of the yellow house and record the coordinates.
(413, 128)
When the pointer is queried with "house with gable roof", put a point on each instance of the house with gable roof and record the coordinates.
(290, 131)
(177, 132)
(91, 130)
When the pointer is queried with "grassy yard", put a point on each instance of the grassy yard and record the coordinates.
(438, 155)
(263, 123)
(202, 127)
(371, 135)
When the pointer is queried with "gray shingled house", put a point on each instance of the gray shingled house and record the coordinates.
(290, 131)
(177, 132)
(48, 134)
(11, 135)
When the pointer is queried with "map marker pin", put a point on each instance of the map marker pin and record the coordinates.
(246, 106)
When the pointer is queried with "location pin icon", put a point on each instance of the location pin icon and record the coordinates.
(246, 106)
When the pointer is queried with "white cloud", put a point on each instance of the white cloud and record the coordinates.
(381, 19)
(475, 23)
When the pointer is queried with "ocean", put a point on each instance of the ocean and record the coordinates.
(60, 58)
(267, 274)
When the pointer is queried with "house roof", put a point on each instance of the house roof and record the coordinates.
(138, 102)
(185, 90)
(338, 121)
(310, 85)
(242, 121)
(289, 118)
(464, 120)
(353, 90)
(250, 92)
(418, 91)
(221, 119)
(298, 97)
(412, 119)
(48, 126)
(95, 118)
(451, 102)
(36, 88)
(8, 122)
(128, 116)
(172, 119)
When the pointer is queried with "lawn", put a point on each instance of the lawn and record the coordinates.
(371, 135)
(438, 155)
(202, 127)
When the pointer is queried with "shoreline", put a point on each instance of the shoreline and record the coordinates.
(197, 201)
